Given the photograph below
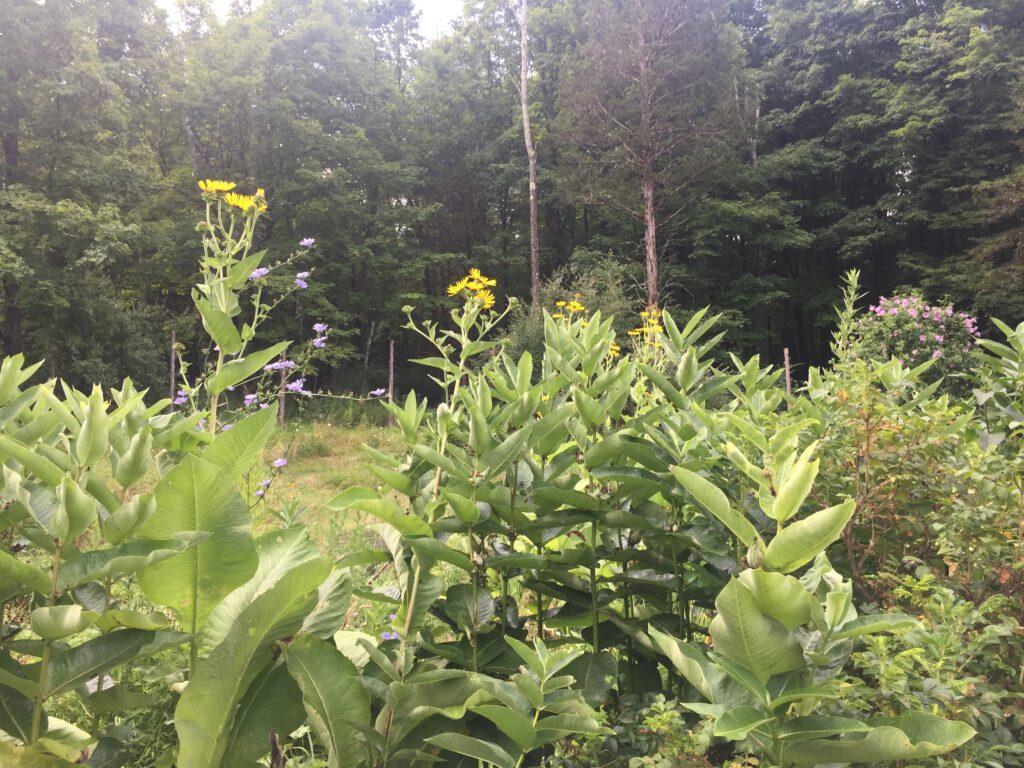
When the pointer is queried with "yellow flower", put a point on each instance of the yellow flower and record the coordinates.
(242, 202)
(635, 332)
(557, 316)
(485, 297)
(213, 186)
(559, 303)
(476, 274)
(614, 350)
(473, 285)
(458, 286)
(575, 306)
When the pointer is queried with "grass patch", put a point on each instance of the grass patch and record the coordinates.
(324, 460)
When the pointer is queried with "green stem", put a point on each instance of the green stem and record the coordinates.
(44, 664)
(212, 426)
(473, 592)
(593, 584)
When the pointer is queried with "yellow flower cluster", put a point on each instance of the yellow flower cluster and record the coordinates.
(477, 285)
(244, 203)
(615, 350)
(651, 323)
(213, 186)
(572, 306)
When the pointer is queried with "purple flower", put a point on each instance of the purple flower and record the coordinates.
(320, 327)
(391, 616)
(295, 386)
(260, 492)
(226, 427)
(320, 342)
(264, 405)
(301, 283)
(280, 365)
(182, 397)
(249, 400)
(307, 242)
(302, 275)
(280, 462)
(922, 337)
(939, 338)
(389, 636)
(912, 312)
(201, 424)
(264, 483)
(377, 392)
(256, 274)
(937, 354)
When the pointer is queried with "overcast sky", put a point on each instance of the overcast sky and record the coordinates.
(435, 15)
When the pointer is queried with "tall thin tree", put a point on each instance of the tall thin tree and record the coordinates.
(531, 156)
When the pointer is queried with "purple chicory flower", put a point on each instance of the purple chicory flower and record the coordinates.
(260, 492)
(320, 342)
(302, 275)
(226, 427)
(264, 405)
(280, 462)
(201, 424)
(295, 386)
(307, 242)
(249, 400)
(182, 397)
(264, 483)
(256, 274)
(377, 392)
(301, 283)
(280, 365)
(320, 327)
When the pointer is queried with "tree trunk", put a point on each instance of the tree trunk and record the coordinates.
(531, 155)
(650, 236)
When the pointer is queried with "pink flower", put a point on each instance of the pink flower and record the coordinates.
(936, 354)
(913, 312)
(939, 337)
(922, 337)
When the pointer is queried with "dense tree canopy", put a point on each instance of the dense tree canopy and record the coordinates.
(785, 141)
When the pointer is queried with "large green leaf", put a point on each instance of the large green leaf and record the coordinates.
(16, 757)
(219, 325)
(469, 608)
(742, 633)
(333, 599)
(16, 714)
(206, 712)
(802, 541)
(237, 371)
(84, 662)
(795, 486)
(782, 597)
(392, 514)
(912, 736)
(474, 748)
(236, 450)
(198, 496)
(52, 622)
(18, 577)
(336, 702)
(279, 552)
(714, 501)
(272, 703)
(99, 564)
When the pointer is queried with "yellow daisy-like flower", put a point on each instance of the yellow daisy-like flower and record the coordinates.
(559, 303)
(242, 202)
(486, 297)
(635, 332)
(478, 276)
(575, 306)
(557, 316)
(458, 286)
(614, 350)
(474, 285)
(213, 186)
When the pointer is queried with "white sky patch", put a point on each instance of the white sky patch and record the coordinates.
(436, 16)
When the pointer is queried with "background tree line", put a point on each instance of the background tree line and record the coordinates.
(754, 149)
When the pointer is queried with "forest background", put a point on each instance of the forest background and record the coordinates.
(785, 142)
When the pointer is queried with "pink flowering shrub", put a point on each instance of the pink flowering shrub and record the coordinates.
(907, 328)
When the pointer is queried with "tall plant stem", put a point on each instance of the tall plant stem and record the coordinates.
(216, 398)
(44, 662)
(593, 585)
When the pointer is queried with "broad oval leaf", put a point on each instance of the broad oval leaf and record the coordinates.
(802, 541)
